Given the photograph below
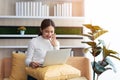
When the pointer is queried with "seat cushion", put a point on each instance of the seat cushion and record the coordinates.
(6, 79)
(54, 72)
(18, 67)
(78, 78)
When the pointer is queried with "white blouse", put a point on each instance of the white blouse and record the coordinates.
(37, 49)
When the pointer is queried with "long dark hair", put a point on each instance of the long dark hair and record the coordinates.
(44, 24)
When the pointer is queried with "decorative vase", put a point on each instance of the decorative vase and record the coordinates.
(22, 32)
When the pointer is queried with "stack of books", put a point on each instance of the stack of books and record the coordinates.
(64, 9)
(31, 8)
(37, 8)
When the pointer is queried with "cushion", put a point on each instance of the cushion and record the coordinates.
(78, 78)
(18, 67)
(54, 72)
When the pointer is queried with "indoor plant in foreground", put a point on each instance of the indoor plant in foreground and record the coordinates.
(97, 47)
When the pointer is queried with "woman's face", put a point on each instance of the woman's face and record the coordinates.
(48, 32)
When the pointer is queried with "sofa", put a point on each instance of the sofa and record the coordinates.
(81, 63)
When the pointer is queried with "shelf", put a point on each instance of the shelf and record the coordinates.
(5, 47)
(8, 14)
(18, 35)
(31, 36)
(59, 0)
(39, 17)
(62, 0)
(13, 46)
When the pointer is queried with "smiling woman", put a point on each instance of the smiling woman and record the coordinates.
(45, 41)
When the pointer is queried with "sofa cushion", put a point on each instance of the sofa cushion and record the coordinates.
(78, 78)
(6, 79)
(18, 67)
(54, 72)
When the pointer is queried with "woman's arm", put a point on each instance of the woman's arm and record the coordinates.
(57, 47)
(30, 52)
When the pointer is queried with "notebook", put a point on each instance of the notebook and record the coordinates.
(56, 57)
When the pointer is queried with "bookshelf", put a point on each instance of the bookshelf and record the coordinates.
(8, 7)
(8, 14)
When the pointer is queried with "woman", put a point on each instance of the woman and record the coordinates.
(38, 46)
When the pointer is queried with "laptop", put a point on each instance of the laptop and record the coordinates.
(56, 57)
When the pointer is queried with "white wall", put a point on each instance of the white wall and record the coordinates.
(106, 14)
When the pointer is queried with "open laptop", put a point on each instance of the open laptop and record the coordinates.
(56, 57)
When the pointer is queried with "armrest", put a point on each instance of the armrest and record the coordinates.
(83, 64)
(5, 68)
(1, 70)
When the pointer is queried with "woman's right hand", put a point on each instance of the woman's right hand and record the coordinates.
(53, 40)
(34, 64)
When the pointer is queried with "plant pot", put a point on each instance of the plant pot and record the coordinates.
(22, 32)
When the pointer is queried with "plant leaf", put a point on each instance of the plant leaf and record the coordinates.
(115, 57)
(89, 26)
(107, 52)
(85, 50)
(101, 42)
(98, 68)
(99, 33)
(93, 29)
(92, 44)
(97, 27)
(96, 51)
(89, 36)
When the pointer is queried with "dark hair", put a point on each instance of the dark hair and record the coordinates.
(44, 24)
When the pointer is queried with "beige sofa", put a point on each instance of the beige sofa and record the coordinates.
(80, 63)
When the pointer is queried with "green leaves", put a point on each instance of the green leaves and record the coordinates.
(98, 68)
(92, 44)
(99, 33)
(96, 48)
(108, 52)
(93, 29)
(96, 31)
(96, 51)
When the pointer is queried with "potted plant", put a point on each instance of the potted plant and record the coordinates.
(95, 48)
(22, 30)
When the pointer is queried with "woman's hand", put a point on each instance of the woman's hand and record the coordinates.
(53, 40)
(34, 64)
